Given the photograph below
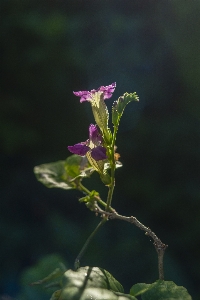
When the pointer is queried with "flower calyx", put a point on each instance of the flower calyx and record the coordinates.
(99, 108)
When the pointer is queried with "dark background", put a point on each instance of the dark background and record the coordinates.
(50, 48)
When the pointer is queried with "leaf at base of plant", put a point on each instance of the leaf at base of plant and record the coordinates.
(89, 283)
(165, 290)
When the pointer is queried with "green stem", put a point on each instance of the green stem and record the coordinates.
(103, 203)
(112, 171)
(82, 188)
(110, 191)
(107, 205)
(77, 260)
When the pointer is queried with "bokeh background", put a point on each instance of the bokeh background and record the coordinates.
(50, 48)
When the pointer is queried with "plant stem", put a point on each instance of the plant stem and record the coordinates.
(107, 205)
(77, 260)
(160, 253)
(112, 171)
(82, 188)
(110, 193)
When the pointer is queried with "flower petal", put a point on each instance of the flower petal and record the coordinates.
(85, 95)
(94, 134)
(107, 90)
(98, 153)
(79, 149)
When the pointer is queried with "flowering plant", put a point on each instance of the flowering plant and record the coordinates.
(98, 153)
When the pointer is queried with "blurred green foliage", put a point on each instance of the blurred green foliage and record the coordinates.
(45, 266)
(50, 48)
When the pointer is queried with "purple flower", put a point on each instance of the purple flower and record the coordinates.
(87, 95)
(92, 145)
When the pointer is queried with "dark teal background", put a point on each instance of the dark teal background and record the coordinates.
(51, 48)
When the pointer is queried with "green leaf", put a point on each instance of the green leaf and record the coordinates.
(58, 272)
(77, 166)
(49, 281)
(92, 283)
(120, 104)
(122, 296)
(139, 288)
(165, 290)
(53, 175)
(62, 174)
(72, 165)
(92, 277)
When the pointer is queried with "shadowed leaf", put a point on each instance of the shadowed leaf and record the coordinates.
(62, 174)
(165, 290)
(92, 283)
(52, 175)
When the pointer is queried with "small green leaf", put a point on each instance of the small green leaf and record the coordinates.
(53, 175)
(165, 290)
(92, 283)
(120, 104)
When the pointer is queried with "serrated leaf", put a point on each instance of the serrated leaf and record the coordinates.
(53, 175)
(92, 283)
(120, 104)
(165, 290)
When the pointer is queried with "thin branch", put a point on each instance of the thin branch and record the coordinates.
(159, 246)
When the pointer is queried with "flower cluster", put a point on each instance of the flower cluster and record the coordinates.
(95, 144)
